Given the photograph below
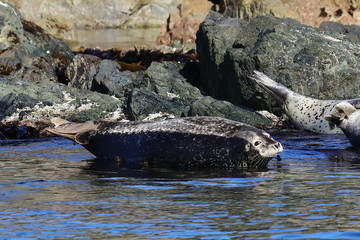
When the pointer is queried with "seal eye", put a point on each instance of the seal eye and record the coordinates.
(257, 143)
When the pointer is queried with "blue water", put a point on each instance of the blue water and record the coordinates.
(54, 189)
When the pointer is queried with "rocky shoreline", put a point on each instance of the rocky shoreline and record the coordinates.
(42, 78)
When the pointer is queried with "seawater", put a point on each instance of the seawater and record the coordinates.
(54, 189)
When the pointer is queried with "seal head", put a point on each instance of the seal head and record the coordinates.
(347, 117)
(192, 142)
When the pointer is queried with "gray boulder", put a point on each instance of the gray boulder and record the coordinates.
(40, 101)
(161, 89)
(308, 60)
(143, 102)
(19, 33)
(208, 106)
(104, 76)
(31, 67)
(26, 51)
(165, 79)
(351, 31)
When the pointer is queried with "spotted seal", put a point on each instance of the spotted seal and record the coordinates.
(190, 142)
(304, 112)
(346, 116)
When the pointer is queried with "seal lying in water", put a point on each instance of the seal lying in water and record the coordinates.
(304, 112)
(191, 142)
(346, 116)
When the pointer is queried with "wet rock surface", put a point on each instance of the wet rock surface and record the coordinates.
(311, 13)
(310, 61)
(41, 78)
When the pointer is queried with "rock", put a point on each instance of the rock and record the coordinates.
(208, 106)
(161, 88)
(106, 76)
(310, 61)
(62, 18)
(112, 80)
(26, 51)
(103, 76)
(39, 82)
(19, 33)
(31, 67)
(142, 103)
(311, 13)
(149, 14)
(11, 102)
(40, 101)
(82, 70)
(351, 31)
(183, 22)
(166, 80)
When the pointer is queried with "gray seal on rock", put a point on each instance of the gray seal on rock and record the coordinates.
(346, 116)
(305, 113)
(189, 142)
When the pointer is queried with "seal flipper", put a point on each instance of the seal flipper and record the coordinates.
(276, 90)
(73, 131)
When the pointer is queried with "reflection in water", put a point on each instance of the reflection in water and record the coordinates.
(54, 189)
(110, 38)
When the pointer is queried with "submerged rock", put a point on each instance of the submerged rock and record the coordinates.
(323, 65)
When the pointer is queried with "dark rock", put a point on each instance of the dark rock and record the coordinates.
(44, 100)
(165, 79)
(103, 76)
(19, 33)
(106, 76)
(142, 103)
(82, 70)
(27, 52)
(208, 106)
(111, 80)
(11, 102)
(351, 31)
(306, 59)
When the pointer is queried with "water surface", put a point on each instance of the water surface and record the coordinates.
(54, 189)
(109, 38)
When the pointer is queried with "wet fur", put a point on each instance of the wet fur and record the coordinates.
(347, 117)
(194, 142)
(304, 112)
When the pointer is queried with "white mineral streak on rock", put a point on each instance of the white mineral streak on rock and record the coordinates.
(172, 95)
(41, 111)
(158, 116)
(117, 115)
